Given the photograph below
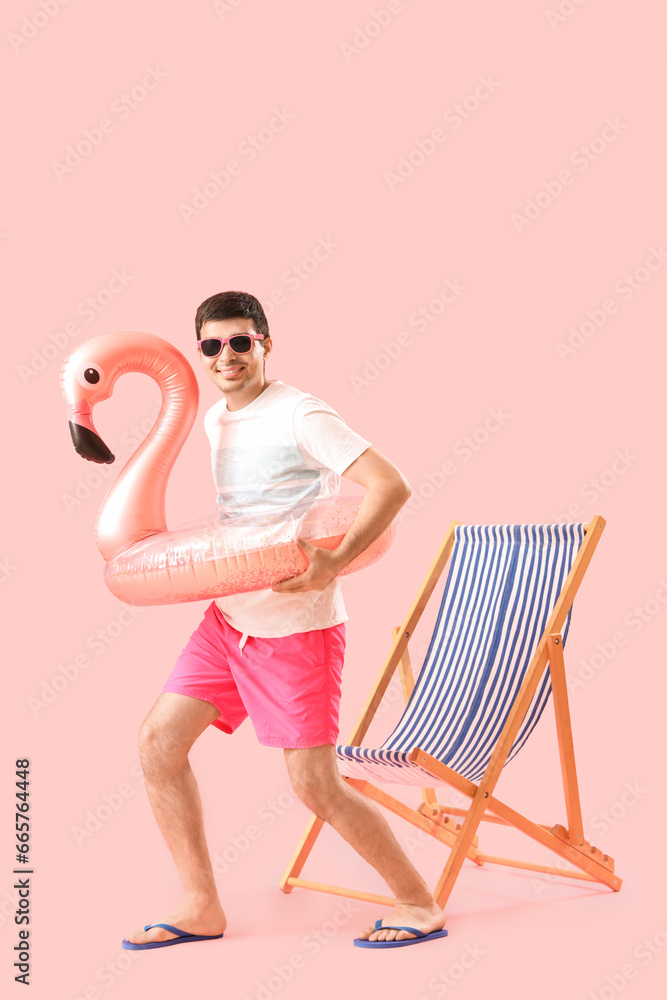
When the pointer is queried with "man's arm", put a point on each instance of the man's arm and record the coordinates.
(386, 491)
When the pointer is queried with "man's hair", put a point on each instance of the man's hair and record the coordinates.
(231, 305)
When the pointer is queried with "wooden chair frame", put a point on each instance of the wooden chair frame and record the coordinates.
(568, 842)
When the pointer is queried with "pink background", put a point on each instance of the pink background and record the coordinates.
(577, 431)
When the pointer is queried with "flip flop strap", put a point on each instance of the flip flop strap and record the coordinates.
(168, 927)
(379, 926)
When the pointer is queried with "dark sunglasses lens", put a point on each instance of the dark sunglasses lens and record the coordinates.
(211, 347)
(241, 344)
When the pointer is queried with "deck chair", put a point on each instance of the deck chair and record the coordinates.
(495, 655)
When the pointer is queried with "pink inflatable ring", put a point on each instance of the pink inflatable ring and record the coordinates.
(146, 563)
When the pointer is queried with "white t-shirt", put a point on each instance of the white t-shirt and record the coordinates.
(284, 448)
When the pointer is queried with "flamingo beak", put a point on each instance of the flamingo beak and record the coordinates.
(86, 440)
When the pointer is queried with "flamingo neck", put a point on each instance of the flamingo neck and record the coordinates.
(134, 508)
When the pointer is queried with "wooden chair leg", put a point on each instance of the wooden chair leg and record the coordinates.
(300, 857)
(575, 824)
(408, 684)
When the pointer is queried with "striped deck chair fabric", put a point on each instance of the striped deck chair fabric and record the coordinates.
(500, 592)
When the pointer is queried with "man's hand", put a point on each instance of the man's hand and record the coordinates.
(386, 492)
(323, 567)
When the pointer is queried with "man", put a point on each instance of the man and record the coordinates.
(275, 655)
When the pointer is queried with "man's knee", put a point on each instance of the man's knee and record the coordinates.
(314, 796)
(158, 746)
(320, 792)
(171, 727)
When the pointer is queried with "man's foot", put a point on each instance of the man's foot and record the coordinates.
(422, 918)
(193, 917)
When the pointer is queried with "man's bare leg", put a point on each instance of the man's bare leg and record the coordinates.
(317, 781)
(165, 738)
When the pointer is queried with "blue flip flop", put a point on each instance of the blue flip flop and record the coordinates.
(419, 937)
(183, 938)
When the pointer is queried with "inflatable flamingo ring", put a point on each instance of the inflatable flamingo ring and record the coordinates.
(146, 563)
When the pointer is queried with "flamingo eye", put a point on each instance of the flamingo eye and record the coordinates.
(90, 376)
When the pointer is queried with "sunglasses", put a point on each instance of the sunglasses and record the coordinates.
(240, 343)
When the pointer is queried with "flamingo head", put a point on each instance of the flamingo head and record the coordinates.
(87, 377)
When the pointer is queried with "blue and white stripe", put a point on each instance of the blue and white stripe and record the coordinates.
(503, 583)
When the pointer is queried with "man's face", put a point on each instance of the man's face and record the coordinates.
(239, 376)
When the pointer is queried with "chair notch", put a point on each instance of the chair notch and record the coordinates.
(588, 849)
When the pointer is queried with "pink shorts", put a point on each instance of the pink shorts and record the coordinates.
(289, 686)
